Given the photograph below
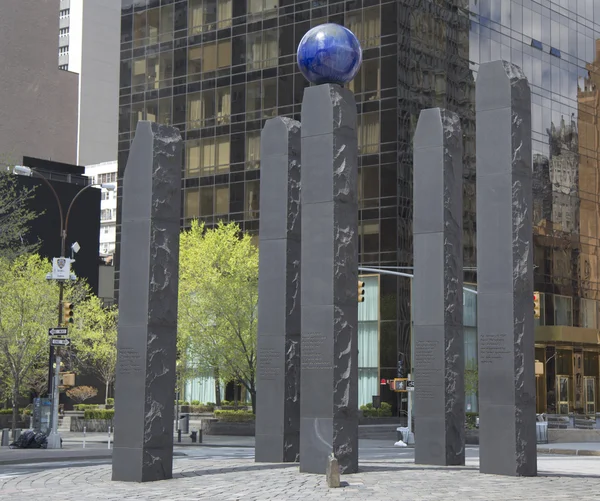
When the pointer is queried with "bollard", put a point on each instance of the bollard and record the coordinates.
(333, 472)
(16, 434)
(5, 437)
(193, 436)
(179, 436)
(200, 436)
(84, 428)
(109, 428)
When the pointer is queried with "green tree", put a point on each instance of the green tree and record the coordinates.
(218, 298)
(94, 338)
(15, 216)
(28, 304)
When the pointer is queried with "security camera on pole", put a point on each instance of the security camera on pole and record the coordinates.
(61, 272)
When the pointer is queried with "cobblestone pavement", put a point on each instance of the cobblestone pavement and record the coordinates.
(561, 478)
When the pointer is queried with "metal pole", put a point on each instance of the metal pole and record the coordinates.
(54, 440)
(109, 437)
(84, 429)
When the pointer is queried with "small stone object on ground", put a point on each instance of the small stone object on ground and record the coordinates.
(400, 443)
(333, 472)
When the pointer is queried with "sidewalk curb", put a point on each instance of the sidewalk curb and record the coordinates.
(569, 452)
(53, 459)
(68, 457)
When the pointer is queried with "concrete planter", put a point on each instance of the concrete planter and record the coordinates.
(91, 425)
(215, 427)
(381, 420)
(472, 436)
(6, 421)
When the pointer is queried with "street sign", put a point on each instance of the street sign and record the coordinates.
(60, 341)
(410, 386)
(58, 331)
(61, 268)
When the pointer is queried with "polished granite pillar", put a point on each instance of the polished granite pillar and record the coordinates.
(507, 431)
(438, 289)
(278, 368)
(146, 347)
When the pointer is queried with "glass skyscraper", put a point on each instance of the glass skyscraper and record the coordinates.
(217, 69)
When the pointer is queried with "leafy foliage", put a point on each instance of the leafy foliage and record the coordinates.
(82, 393)
(15, 216)
(234, 416)
(99, 414)
(94, 338)
(369, 411)
(218, 297)
(28, 304)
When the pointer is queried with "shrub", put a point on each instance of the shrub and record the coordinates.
(22, 412)
(82, 393)
(5, 411)
(195, 402)
(110, 401)
(229, 416)
(85, 407)
(471, 422)
(196, 409)
(99, 414)
(369, 411)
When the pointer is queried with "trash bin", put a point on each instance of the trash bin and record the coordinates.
(541, 428)
(184, 423)
(5, 437)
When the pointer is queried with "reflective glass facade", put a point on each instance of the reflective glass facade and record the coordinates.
(217, 69)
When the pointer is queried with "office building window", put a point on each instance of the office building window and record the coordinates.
(207, 15)
(368, 133)
(252, 150)
(207, 199)
(223, 105)
(261, 9)
(563, 310)
(64, 13)
(201, 109)
(366, 25)
(192, 203)
(589, 313)
(109, 177)
(64, 67)
(166, 23)
(252, 202)
(221, 200)
(262, 49)
(153, 25)
(63, 32)
(63, 51)
(140, 29)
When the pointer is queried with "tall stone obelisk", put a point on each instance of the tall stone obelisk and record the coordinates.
(507, 431)
(329, 343)
(438, 289)
(145, 379)
(278, 364)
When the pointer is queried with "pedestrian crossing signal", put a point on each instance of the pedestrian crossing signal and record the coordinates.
(361, 291)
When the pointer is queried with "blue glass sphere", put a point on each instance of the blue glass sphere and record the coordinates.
(329, 53)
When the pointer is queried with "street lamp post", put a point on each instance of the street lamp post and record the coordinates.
(54, 440)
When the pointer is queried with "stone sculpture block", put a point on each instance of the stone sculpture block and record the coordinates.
(438, 290)
(507, 433)
(329, 383)
(278, 370)
(145, 378)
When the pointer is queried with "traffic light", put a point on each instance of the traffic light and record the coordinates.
(361, 291)
(536, 305)
(67, 313)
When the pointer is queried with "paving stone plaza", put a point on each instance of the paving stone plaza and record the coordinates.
(560, 477)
